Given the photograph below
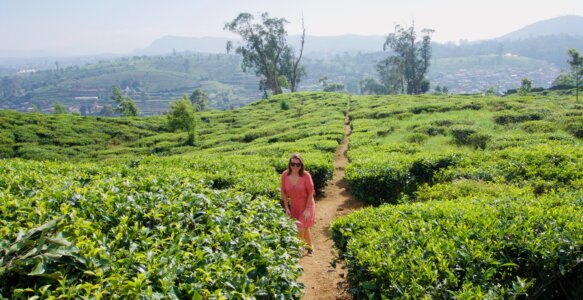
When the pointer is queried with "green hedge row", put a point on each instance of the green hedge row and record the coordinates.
(471, 248)
(144, 229)
(489, 198)
(387, 179)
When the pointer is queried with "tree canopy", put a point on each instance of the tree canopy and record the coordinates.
(182, 117)
(59, 108)
(199, 99)
(576, 63)
(265, 50)
(125, 105)
(406, 69)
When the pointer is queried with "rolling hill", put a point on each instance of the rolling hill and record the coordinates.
(156, 80)
(481, 197)
(564, 25)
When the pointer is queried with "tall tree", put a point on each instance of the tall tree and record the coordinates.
(576, 63)
(525, 86)
(199, 99)
(296, 71)
(265, 50)
(125, 105)
(410, 61)
(182, 117)
(59, 108)
(392, 75)
(371, 86)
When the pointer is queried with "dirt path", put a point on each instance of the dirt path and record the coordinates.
(321, 280)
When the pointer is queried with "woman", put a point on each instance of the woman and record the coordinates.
(297, 185)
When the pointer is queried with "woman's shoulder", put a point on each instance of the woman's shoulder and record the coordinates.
(284, 173)
(307, 174)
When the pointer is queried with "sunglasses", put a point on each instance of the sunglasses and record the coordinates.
(295, 164)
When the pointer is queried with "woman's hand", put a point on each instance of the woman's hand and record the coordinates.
(306, 215)
(287, 211)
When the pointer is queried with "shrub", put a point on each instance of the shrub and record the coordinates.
(430, 130)
(378, 181)
(575, 126)
(473, 248)
(472, 106)
(6, 152)
(538, 126)
(416, 138)
(148, 228)
(468, 135)
(461, 134)
(479, 140)
(511, 117)
(463, 188)
(6, 137)
(284, 104)
(39, 153)
(25, 134)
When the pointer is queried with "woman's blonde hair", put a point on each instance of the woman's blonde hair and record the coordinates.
(298, 157)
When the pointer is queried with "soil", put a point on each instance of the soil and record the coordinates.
(320, 278)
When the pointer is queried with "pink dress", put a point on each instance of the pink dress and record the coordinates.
(299, 198)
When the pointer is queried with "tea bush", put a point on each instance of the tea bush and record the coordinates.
(472, 247)
(143, 222)
(500, 219)
(152, 228)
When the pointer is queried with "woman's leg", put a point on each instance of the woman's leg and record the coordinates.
(301, 234)
(308, 238)
(305, 236)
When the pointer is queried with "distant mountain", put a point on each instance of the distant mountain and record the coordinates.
(565, 29)
(168, 44)
(564, 25)
(313, 44)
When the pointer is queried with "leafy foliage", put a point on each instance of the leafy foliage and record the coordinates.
(181, 117)
(470, 247)
(498, 219)
(155, 228)
(59, 108)
(406, 70)
(265, 50)
(488, 194)
(39, 256)
(576, 63)
(202, 222)
(125, 105)
(199, 99)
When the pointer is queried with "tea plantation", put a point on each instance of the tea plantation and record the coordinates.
(119, 208)
(478, 198)
(469, 197)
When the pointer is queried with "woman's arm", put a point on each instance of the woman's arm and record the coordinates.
(310, 202)
(284, 195)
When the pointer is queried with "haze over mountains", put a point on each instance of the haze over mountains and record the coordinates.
(565, 25)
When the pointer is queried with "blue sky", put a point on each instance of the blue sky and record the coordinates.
(121, 26)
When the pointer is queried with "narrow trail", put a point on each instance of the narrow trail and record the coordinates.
(321, 280)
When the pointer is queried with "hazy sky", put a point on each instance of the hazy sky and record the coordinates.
(121, 26)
